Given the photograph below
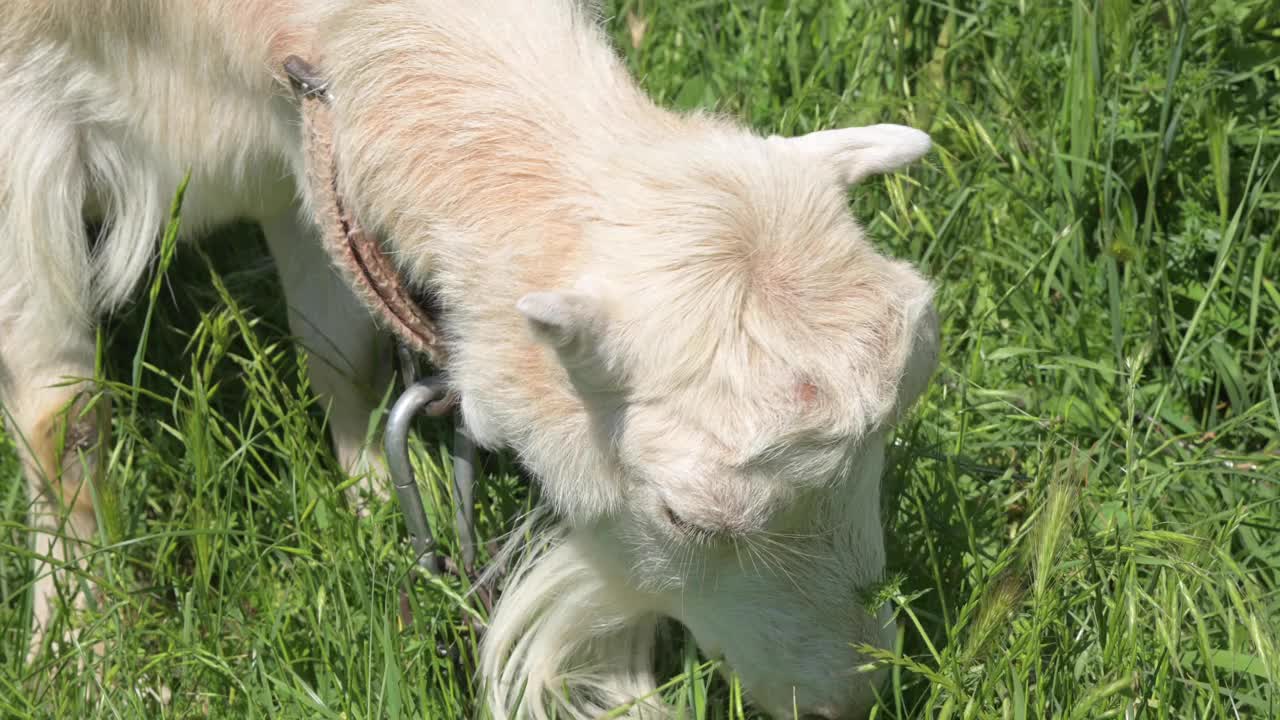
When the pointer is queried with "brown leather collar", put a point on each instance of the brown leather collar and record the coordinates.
(357, 253)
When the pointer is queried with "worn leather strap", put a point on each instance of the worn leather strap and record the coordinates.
(357, 253)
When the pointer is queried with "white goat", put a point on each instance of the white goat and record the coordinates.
(674, 322)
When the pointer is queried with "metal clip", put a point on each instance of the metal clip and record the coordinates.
(430, 396)
(399, 423)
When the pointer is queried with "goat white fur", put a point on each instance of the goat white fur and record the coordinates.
(673, 321)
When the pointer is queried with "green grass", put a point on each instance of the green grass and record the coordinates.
(1083, 512)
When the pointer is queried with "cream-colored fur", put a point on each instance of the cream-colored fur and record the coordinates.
(674, 321)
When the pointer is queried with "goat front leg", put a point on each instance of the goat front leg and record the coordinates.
(46, 354)
(47, 345)
(349, 360)
(63, 455)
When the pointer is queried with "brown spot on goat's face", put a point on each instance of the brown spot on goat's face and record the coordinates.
(807, 395)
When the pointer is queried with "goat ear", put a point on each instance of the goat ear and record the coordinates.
(571, 323)
(909, 343)
(560, 318)
(859, 152)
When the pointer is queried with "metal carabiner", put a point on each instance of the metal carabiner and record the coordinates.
(419, 396)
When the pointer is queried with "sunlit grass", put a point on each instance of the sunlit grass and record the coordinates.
(1083, 512)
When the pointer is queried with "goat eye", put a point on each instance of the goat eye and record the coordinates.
(684, 527)
(676, 520)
